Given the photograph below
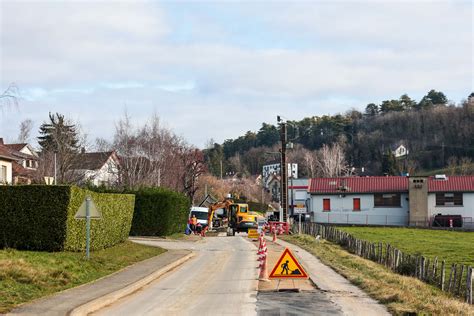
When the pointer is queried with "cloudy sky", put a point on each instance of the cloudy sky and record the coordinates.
(218, 69)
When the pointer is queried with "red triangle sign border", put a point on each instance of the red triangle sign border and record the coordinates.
(303, 274)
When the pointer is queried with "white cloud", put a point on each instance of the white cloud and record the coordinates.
(99, 55)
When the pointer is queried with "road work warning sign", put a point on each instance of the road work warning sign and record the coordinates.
(287, 267)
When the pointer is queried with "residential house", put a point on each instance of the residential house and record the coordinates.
(400, 151)
(398, 201)
(6, 162)
(26, 164)
(97, 168)
(360, 200)
(445, 195)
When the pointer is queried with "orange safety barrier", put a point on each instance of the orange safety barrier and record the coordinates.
(281, 227)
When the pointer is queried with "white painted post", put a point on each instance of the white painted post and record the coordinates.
(88, 227)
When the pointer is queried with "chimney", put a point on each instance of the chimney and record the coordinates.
(1, 141)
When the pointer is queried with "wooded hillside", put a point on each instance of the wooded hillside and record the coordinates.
(436, 133)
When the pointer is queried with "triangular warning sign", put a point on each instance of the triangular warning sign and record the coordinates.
(287, 267)
(93, 211)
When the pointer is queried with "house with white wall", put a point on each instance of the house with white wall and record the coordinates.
(441, 195)
(397, 201)
(26, 164)
(360, 200)
(6, 161)
(98, 168)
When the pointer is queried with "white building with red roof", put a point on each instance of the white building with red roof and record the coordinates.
(6, 162)
(398, 201)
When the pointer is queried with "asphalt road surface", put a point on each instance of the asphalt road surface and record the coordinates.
(220, 280)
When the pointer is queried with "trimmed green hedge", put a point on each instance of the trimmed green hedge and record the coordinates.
(39, 217)
(159, 212)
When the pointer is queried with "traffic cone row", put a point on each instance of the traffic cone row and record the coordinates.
(262, 250)
(262, 257)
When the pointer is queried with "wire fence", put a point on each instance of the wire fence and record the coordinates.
(383, 220)
(360, 219)
(458, 281)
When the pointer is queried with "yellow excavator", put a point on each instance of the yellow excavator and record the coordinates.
(236, 216)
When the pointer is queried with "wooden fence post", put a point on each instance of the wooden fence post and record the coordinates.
(443, 274)
(469, 286)
(458, 291)
(450, 283)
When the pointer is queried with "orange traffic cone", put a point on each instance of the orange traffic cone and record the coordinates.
(274, 235)
(263, 270)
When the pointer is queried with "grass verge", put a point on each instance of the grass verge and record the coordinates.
(28, 275)
(452, 246)
(401, 294)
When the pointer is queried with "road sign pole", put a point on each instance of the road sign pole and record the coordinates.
(88, 227)
(299, 223)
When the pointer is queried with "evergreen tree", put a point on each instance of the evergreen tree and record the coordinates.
(60, 137)
(372, 109)
(389, 164)
(406, 102)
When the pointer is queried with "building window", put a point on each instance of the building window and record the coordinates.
(3, 174)
(326, 205)
(356, 204)
(387, 200)
(449, 199)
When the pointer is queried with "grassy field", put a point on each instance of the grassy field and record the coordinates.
(402, 295)
(27, 275)
(452, 246)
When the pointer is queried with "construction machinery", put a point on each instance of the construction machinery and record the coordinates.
(236, 216)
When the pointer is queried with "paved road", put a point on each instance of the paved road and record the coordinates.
(220, 280)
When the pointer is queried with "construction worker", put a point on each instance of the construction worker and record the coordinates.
(193, 223)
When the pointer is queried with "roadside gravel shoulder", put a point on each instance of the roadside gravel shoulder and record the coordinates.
(351, 299)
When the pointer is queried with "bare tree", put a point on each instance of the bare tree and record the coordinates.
(152, 155)
(10, 96)
(331, 161)
(25, 130)
(101, 144)
(310, 159)
(192, 168)
(465, 164)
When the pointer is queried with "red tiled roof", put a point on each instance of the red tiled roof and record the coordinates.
(451, 184)
(16, 147)
(5, 153)
(358, 185)
(19, 170)
(387, 184)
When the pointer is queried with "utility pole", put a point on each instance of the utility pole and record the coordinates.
(221, 169)
(284, 171)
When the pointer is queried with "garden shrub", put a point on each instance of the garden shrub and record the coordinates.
(159, 212)
(40, 217)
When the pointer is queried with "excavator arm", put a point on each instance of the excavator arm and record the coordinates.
(213, 207)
